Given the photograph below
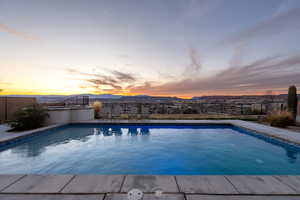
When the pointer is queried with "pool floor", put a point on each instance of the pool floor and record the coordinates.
(150, 150)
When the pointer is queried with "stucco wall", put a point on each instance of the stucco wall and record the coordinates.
(58, 116)
(67, 115)
(82, 115)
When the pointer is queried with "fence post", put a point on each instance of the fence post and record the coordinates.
(242, 112)
(5, 112)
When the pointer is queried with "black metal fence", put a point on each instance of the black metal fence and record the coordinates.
(77, 100)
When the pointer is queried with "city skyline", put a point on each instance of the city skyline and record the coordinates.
(159, 48)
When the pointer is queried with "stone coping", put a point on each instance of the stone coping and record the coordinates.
(277, 133)
(145, 197)
(9, 136)
(121, 184)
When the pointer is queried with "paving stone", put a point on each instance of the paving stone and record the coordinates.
(291, 181)
(259, 185)
(39, 184)
(94, 184)
(6, 180)
(116, 197)
(150, 183)
(238, 197)
(164, 197)
(51, 197)
(146, 197)
(284, 134)
(205, 185)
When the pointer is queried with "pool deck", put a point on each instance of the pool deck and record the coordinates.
(113, 187)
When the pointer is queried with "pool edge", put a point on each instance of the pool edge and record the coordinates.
(288, 136)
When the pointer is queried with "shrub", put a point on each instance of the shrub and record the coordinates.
(29, 117)
(280, 119)
(97, 107)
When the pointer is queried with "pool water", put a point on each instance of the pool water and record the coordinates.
(150, 149)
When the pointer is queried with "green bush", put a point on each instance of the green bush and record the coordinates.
(29, 117)
(281, 119)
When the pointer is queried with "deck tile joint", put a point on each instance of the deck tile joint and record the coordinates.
(232, 184)
(71, 179)
(177, 184)
(123, 181)
(12, 183)
(277, 178)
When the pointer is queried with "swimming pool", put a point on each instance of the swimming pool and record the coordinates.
(150, 149)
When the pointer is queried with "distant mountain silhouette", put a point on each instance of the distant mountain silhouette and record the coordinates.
(102, 96)
(112, 97)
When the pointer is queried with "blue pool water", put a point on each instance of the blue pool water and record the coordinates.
(149, 149)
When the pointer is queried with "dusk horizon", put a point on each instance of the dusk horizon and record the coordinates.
(156, 48)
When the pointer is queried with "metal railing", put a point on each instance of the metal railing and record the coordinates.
(77, 100)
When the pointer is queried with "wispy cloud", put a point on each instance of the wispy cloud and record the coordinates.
(114, 82)
(285, 5)
(274, 73)
(195, 58)
(10, 30)
(125, 77)
(269, 73)
(284, 21)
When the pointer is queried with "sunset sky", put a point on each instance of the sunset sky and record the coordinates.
(178, 48)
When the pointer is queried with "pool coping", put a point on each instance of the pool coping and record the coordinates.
(234, 185)
(11, 136)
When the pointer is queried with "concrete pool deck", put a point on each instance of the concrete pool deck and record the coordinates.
(112, 187)
(174, 187)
